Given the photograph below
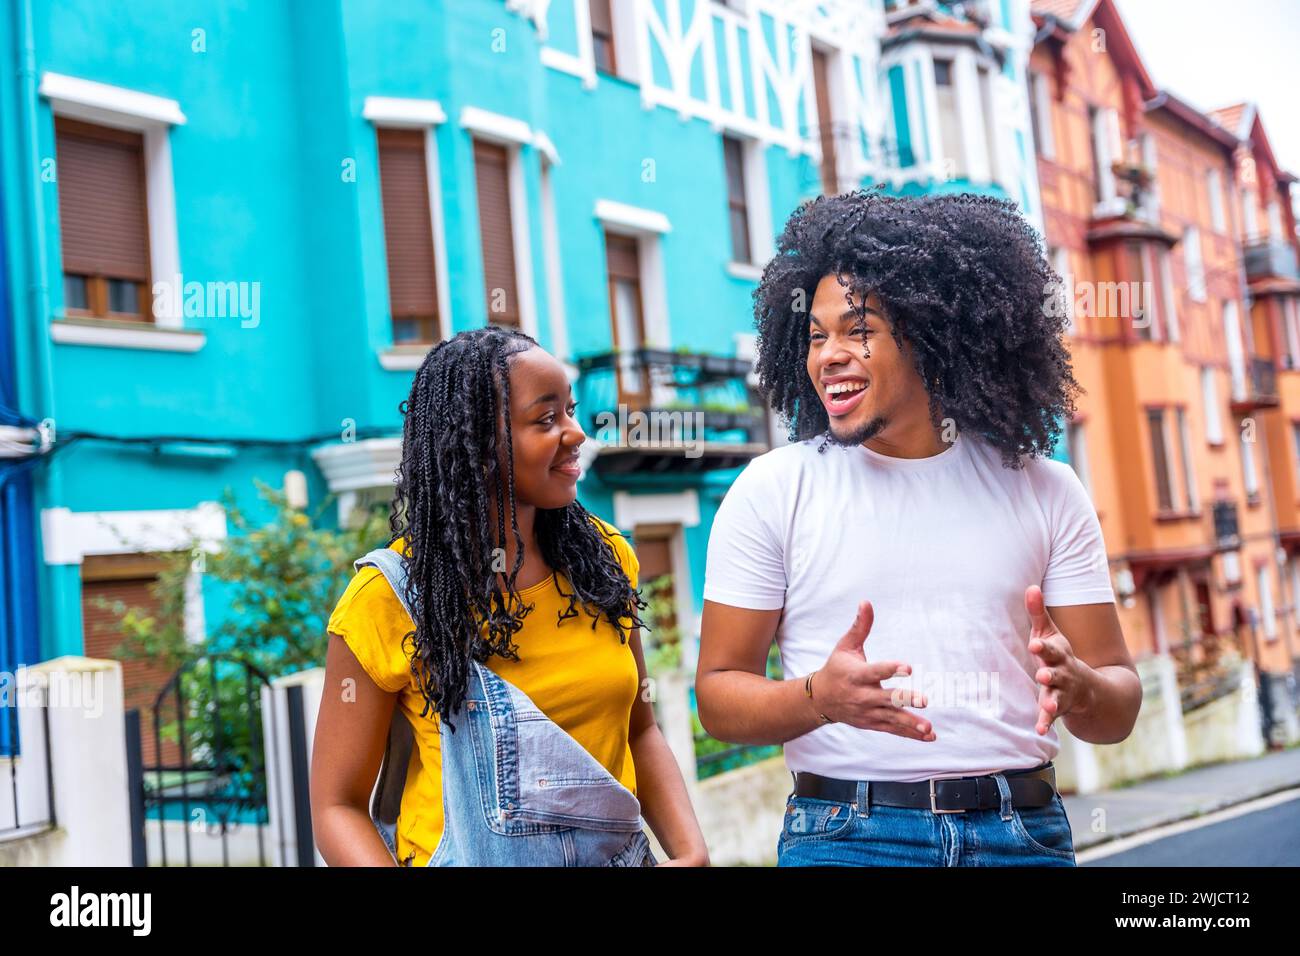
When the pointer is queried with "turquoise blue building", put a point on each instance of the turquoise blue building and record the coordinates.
(231, 232)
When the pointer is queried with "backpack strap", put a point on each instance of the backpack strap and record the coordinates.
(387, 799)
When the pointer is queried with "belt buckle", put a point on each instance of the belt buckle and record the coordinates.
(934, 808)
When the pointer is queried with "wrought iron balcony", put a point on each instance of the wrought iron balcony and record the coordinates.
(655, 411)
(1258, 387)
(1271, 260)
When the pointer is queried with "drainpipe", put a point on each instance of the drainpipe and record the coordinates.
(48, 488)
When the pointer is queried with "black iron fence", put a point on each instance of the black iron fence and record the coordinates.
(209, 775)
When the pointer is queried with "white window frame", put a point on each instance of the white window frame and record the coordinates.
(1267, 610)
(1151, 208)
(648, 227)
(153, 117)
(1210, 399)
(1043, 107)
(1275, 230)
(1191, 495)
(1295, 589)
(514, 134)
(681, 509)
(551, 262)
(1078, 449)
(1236, 348)
(1249, 474)
(68, 537)
(386, 112)
(1061, 265)
(583, 63)
(1291, 333)
(758, 209)
(1214, 189)
(1166, 278)
(1106, 146)
(1249, 214)
(1194, 264)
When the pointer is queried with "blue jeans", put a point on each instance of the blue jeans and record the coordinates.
(830, 833)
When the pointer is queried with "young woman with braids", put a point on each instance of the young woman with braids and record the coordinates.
(504, 569)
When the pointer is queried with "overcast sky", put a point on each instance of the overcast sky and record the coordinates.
(1211, 54)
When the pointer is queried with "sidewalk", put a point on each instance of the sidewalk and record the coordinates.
(1162, 800)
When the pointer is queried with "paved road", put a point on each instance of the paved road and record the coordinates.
(1265, 837)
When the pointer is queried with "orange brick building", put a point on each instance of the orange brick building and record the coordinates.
(1174, 234)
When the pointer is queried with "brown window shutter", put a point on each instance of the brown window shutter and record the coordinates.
(408, 235)
(738, 210)
(102, 207)
(602, 35)
(622, 258)
(654, 551)
(142, 679)
(491, 172)
(821, 83)
(1164, 489)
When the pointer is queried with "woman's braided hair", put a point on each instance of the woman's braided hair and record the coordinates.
(449, 481)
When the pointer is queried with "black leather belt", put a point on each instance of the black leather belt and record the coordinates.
(1029, 788)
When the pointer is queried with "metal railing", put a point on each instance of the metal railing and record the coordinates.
(711, 389)
(39, 759)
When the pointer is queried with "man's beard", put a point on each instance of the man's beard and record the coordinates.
(861, 434)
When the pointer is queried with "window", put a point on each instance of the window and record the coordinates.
(104, 220)
(602, 35)
(1289, 334)
(1275, 230)
(1249, 214)
(492, 175)
(654, 550)
(1151, 195)
(950, 139)
(1191, 498)
(1267, 612)
(1250, 478)
(1231, 568)
(990, 121)
(129, 578)
(1295, 439)
(1160, 458)
(1143, 293)
(1236, 351)
(1059, 257)
(1078, 451)
(830, 160)
(1104, 127)
(1210, 398)
(1193, 264)
(733, 151)
(408, 236)
(1168, 295)
(1214, 186)
(1040, 115)
(626, 306)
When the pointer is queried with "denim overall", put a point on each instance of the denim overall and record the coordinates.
(517, 790)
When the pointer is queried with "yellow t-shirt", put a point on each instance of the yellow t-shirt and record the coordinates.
(584, 680)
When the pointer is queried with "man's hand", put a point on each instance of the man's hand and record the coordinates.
(1067, 681)
(847, 688)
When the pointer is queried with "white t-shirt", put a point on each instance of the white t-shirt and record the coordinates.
(944, 548)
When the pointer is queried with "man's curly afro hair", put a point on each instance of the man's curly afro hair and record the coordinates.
(963, 282)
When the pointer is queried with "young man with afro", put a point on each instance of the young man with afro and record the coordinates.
(937, 586)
